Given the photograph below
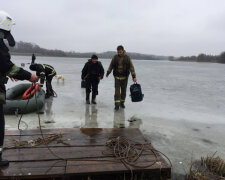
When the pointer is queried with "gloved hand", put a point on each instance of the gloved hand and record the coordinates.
(135, 79)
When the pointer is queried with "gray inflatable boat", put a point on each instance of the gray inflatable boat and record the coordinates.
(16, 105)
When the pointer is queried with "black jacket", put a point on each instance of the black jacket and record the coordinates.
(92, 69)
(6, 64)
(43, 70)
(7, 68)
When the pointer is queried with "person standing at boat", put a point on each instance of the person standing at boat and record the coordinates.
(92, 73)
(8, 69)
(46, 73)
(122, 66)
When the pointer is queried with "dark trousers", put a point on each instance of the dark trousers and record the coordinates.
(2, 119)
(49, 89)
(2, 126)
(120, 90)
(92, 85)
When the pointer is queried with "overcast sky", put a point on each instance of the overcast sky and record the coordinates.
(161, 27)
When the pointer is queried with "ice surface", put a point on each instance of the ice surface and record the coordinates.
(183, 112)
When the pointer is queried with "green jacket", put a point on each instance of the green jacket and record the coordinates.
(122, 66)
(7, 68)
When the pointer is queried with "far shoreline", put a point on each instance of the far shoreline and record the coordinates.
(178, 60)
(41, 55)
(195, 61)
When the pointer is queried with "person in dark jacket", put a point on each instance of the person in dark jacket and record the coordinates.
(45, 72)
(92, 73)
(8, 69)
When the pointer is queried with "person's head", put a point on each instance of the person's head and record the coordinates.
(6, 23)
(120, 50)
(33, 67)
(94, 58)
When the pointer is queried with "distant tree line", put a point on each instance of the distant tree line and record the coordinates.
(25, 48)
(202, 58)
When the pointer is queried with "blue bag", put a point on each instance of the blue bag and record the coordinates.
(136, 93)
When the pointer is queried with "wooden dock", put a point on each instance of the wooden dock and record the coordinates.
(78, 153)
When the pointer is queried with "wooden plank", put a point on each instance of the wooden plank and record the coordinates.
(36, 154)
(33, 172)
(108, 169)
(69, 140)
(104, 167)
(87, 131)
(37, 164)
(34, 169)
(144, 160)
(78, 138)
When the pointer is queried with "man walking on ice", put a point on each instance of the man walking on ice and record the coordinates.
(122, 66)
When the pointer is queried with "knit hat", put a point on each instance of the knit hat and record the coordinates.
(94, 56)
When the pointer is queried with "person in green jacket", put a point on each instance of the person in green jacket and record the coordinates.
(122, 66)
(8, 69)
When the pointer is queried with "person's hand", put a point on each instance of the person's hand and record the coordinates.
(34, 78)
(135, 79)
(12, 79)
(100, 78)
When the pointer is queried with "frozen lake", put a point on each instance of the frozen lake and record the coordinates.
(183, 112)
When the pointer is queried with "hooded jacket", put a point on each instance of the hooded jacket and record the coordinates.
(92, 69)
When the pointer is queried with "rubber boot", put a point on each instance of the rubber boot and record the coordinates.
(87, 98)
(3, 162)
(116, 108)
(52, 93)
(47, 96)
(93, 100)
(122, 105)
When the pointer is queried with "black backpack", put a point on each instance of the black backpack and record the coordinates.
(136, 93)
